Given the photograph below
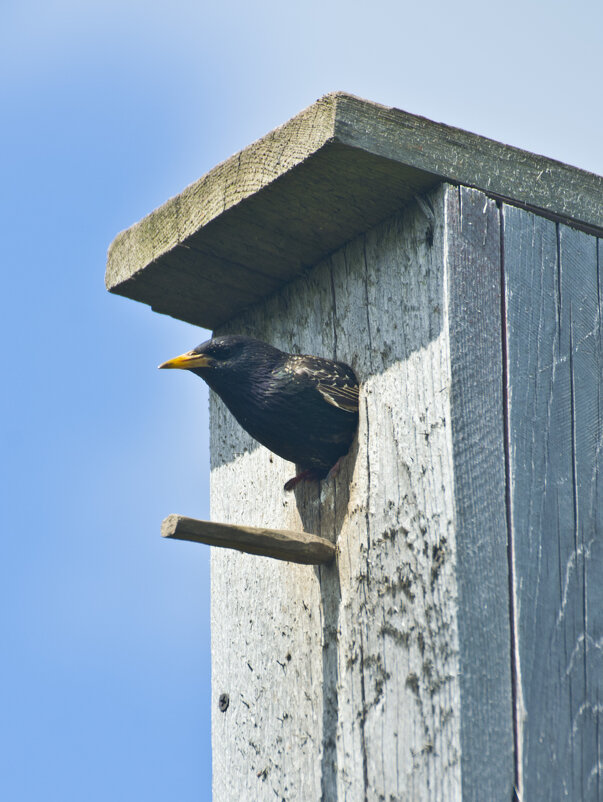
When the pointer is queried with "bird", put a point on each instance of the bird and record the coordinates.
(303, 408)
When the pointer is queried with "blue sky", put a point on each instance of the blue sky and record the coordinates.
(108, 109)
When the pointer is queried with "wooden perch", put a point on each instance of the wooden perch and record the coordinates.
(281, 544)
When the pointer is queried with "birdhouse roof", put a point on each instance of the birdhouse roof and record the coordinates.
(270, 212)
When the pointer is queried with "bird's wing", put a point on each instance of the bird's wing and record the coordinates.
(334, 381)
(344, 396)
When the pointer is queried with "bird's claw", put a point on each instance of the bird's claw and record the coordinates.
(335, 469)
(301, 477)
(310, 475)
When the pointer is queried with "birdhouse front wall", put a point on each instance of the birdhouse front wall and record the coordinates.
(346, 677)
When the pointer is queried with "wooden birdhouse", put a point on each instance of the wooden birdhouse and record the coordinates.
(447, 642)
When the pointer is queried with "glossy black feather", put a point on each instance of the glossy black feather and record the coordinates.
(303, 408)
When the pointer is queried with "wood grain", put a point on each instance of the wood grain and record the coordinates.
(280, 544)
(555, 358)
(381, 671)
(474, 313)
(272, 211)
(499, 170)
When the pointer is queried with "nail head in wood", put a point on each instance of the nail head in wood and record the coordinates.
(280, 544)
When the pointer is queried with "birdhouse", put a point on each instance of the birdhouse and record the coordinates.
(428, 624)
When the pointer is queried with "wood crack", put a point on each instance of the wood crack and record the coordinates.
(516, 691)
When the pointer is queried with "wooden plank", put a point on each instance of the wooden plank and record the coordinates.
(398, 670)
(280, 544)
(555, 358)
(499, 170)
(344, 681)
(276, 234)
(270, 212)
(219, 191)
(474, 311)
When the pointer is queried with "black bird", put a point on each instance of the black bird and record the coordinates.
(304, 408)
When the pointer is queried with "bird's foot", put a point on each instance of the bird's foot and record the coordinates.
(308, 475)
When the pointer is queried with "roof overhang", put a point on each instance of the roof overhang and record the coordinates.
(273, 210)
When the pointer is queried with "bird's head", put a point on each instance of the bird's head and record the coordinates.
(223, 356)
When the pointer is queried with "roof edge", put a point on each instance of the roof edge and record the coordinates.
(222, 188)
(461, 157)
(264, 215)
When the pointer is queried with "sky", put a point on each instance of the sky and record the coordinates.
(108, 109)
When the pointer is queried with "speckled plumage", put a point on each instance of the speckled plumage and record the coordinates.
(303, 408)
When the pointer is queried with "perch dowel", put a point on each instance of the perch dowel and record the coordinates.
(281, 544)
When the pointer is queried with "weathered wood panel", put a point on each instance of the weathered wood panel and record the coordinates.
(370, 690)
(555, 369)
(474, 313)
(349, 681)
(398, 690)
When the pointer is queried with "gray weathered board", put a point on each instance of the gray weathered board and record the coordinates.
(364, 680)
(270, 212)
(344, 681)
(555, 368)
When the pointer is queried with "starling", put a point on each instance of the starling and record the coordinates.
(303, 408)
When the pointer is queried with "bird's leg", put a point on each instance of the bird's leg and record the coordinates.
(335, 469)
(301, 477)
(312, 476)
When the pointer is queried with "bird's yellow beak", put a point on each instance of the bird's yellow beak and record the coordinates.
(188, 361)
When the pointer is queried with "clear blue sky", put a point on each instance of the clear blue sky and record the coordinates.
(108, 108)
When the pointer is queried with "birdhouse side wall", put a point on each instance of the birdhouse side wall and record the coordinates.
(553, 292)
